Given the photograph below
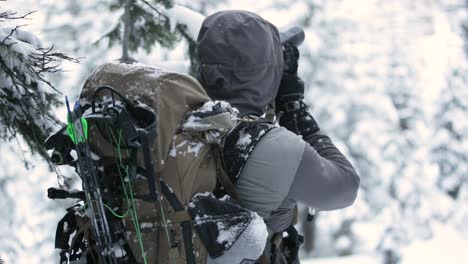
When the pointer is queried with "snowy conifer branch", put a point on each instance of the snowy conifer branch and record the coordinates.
(47, 60)
(153, 8)
(25, 102)
(142, 25)
(7, 37)
(10, 15)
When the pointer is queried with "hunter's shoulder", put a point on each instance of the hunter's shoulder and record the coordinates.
(282, 140)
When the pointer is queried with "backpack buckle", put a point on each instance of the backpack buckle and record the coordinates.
(292, 106)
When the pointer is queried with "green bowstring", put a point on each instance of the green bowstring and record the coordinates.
(130, 200)
(115, 213)
(163, 216)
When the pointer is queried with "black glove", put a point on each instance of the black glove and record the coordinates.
(291, 86)
(291, 91)
(289, 103)
(291, 58)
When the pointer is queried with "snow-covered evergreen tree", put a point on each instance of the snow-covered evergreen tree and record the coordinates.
(368, 87)
(23, 84)
(27, 115)
(450, 147)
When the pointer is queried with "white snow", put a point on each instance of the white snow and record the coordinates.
(244, 140)
(22, 42)
(249, 245)
(194, 122)
(209, 105)
(145, 225)
(173, 152)
(140, 176)
(227, 235)
(185, 16)
(119, 251)
(195, 148)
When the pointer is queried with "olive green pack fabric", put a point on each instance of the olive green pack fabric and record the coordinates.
(184, 158)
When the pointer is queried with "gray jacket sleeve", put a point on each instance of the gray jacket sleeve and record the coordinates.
(325, 179)
(283, 168)
(269, 172)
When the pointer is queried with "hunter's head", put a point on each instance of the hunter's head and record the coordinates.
(241, 60)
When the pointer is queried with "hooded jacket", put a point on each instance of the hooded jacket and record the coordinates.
(242, 63)
(241, 60)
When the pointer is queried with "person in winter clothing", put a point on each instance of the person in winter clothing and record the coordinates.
(244, 63)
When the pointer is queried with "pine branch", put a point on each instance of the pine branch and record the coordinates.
(25, 106)
(46, 60)
(5, 39)
(154, 8)
(143, 25)
(10, 15)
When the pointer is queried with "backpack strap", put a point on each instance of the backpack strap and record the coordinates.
(240, 143)
(223, 178)
(282, 249)
(185, 222)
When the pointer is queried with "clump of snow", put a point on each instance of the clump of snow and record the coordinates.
(146, 225)
(194, 122)
(182, 15)
(227, 235)
(172, 152)
(195, 148)
(212, 105)
(22, 42)
(119, 252)
(244, 140)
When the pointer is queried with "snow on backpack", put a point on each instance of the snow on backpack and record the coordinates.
(148, 151)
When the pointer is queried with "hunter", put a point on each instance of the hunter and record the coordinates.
(243, 62)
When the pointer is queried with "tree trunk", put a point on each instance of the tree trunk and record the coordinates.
(127, 30)
(309, 232)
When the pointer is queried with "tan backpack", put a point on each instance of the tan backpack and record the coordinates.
(185, 156)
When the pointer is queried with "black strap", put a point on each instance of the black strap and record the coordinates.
(62, 236)
(222, 176)
(186, 225)
(152, 184)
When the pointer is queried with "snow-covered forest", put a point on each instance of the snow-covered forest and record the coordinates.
(387, 80)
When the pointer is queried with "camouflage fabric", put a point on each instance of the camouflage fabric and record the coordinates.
(185, 161)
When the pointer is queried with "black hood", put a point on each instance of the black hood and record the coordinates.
(241, 60)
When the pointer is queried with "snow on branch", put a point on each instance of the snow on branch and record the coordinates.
(192, 20)
(26, 96)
